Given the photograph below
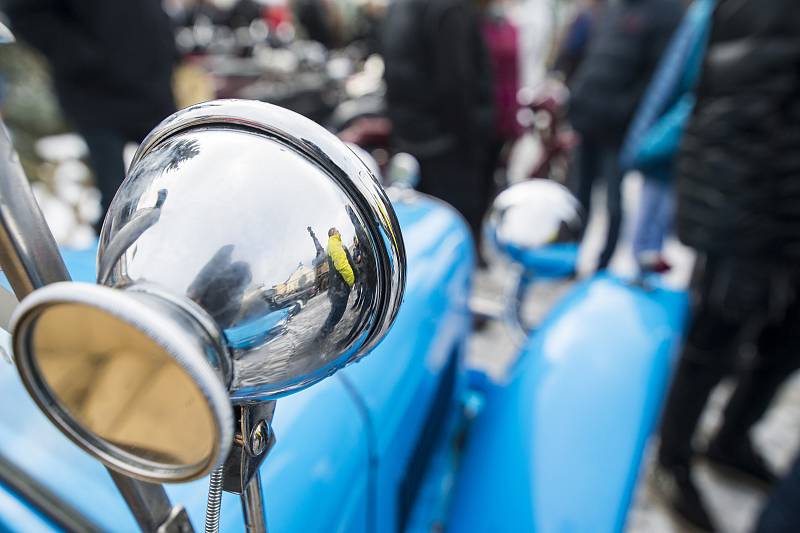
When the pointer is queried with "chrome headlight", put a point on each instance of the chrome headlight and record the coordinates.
(536, 223)
(248, 254)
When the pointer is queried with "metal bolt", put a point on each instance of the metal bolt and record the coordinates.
(259, 438)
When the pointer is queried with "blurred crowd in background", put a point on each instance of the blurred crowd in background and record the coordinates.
(699, 98)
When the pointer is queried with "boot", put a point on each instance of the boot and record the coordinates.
(694, 380)
(676, 487)
(741, 460)
(732, 448)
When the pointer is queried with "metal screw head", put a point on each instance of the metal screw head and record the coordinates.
(259, 438)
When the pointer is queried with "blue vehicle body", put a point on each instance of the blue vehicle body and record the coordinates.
(556, 447)
(343, 446)
(566, 433)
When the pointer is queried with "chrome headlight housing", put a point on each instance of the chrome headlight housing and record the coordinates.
(249, 252)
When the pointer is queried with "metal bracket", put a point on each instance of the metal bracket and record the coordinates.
(177, 522)
(150, 506)
(251, 444)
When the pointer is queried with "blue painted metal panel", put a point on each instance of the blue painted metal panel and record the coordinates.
(558, 447)
(553, 261)
(398, 381)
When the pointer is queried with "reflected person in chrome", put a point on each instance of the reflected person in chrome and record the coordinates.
(342, 279)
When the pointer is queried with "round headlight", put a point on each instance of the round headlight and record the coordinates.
(537, 223)
(248, 254)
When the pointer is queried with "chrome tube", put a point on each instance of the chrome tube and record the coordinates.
(28, 252)
(30, 258)
(148, 501)
(255, 517)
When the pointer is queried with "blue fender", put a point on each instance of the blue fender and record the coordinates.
(558, 447)
(411, 383)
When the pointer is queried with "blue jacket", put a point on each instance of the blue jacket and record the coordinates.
(655, 132)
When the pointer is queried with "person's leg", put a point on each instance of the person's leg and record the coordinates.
(645, 236)
(493, 152)
(613, 175)
(585, 172)
(706, 357)
(455, 177)
(105, 157)
(338, 307)
(778, 356)
(654, 222)
(782, 513)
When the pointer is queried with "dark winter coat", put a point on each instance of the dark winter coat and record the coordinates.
(438, 76)
(112, 60)
(625, 48)
(738, 174)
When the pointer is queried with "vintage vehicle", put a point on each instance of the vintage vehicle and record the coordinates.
(134, 400)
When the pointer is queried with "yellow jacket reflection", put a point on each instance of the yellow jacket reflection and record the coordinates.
(339, 258)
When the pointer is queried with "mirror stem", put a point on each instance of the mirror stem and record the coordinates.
(252, 443)
(151, 507)
(255, 517)
(30, 258)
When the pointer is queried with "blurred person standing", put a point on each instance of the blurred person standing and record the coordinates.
(439, 97)
(502, 40)
(576, 39)
(627, 41)
(654, 136)
(739, 207)
(319, 20)
(112, 69)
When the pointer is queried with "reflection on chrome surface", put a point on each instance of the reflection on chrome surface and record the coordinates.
(530, 216)
(300, 269)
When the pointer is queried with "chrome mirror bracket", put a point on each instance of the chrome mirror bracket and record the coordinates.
(252, 443)
(151, 507)
(239, 474)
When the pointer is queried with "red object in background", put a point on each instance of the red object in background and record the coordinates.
(502, 41)
(546, 109)
(275, 15)
(368, 132)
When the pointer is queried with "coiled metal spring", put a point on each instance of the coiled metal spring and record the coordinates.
(214, 501)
